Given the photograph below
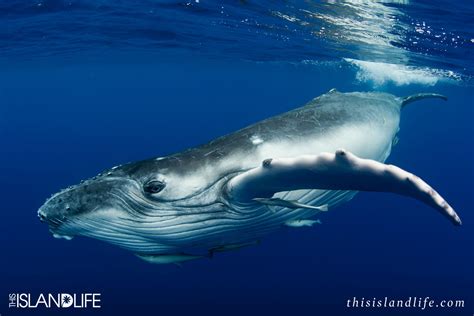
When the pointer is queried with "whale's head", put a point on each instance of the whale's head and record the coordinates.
(140, 206)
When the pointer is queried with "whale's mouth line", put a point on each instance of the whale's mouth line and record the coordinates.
(64, 228)
(58, 232)
(55, 228)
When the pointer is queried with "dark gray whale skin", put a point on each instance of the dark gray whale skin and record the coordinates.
(318, 116)
(187, 208)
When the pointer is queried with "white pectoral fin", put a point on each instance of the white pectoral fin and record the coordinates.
(301, 222)
(176, 259)
(332, 171)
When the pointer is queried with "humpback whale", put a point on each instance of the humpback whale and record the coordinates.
(286, 170)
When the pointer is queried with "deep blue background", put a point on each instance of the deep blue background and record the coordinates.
(89, 84)
(67, 121)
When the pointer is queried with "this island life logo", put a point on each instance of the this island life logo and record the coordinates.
(59, 300)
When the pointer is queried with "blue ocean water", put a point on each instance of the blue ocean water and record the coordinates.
(86, 85)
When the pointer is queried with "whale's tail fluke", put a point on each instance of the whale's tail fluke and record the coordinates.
(419, 96)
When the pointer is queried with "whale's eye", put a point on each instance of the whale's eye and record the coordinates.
(153, 186)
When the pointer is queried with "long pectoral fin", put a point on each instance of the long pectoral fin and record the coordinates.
(339, 171)
(167, 259)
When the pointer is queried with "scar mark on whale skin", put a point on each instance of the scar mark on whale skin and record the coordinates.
(256, 140)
